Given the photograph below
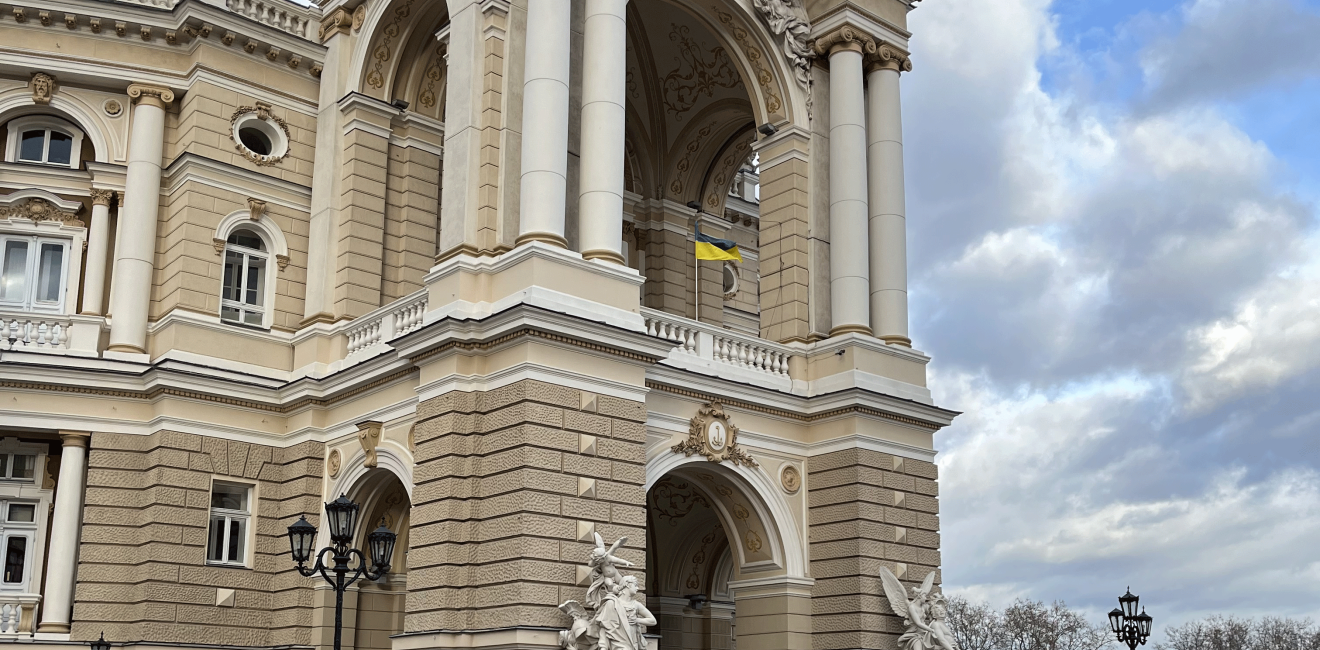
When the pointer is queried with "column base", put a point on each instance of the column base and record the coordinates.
(53, 628)
(604, 255)
(546, 237)
(896, 339)
(849, 329)
(318, 317)
(124, 347)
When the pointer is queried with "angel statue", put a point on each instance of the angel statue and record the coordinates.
(923, 614)
(584, 632)
(605, 576)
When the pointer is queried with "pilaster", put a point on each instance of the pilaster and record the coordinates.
(360, 219)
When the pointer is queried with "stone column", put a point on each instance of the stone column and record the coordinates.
(545, 126)
(884, 160)
(850, 284)
(62, 560)
(604, 84)
(98, 247)
(135, 251)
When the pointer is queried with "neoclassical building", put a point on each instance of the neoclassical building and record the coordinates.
(437, 256)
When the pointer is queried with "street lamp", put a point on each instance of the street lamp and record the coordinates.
(1130, 627)
(100, 644)
(341, 516)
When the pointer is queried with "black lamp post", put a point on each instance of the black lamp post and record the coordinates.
(341, 516)
(1130, 627)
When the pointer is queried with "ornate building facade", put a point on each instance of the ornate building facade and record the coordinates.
(437, 256)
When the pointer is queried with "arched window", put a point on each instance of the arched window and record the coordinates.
(243, 295)
(44, 140)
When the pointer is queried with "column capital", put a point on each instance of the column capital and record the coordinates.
(75, 438)
(157, 96)
(888, 56)
(844, 38)
(338, 22)
(102, 196)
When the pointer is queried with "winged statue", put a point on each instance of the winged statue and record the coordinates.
(613, 618)
(923, 613)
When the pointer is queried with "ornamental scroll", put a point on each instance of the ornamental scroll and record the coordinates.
(712, 435)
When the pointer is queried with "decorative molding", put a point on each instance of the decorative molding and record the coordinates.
(36, 205)
(786, 414)
(369, 435)
(764, 78)
(43, 88)
(712, 435)
(382, 53)
(262, 112)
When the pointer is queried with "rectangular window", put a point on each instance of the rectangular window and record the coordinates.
(22, 467)
(230, 516)
(15, 558)
(32, 273)
(33, 146)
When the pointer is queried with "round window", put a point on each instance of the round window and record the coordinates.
(263, 139)
(730, 280)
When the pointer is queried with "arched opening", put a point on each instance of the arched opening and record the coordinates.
(373, 611)
(720, 567)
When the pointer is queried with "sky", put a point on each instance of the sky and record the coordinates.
(1114, 254)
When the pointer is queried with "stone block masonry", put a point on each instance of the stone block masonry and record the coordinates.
(142, 572)
(868, 509)
(510, 484)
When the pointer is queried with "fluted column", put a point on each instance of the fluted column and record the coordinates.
(849, 258)
(884, 160)
(135, 251)
(545, 124)
(604, 85)
(98, 247)
(65, 522)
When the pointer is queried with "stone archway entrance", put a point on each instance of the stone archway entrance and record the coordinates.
(718, 575)
(373, 611)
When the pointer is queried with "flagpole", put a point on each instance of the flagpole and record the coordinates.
(696, 262)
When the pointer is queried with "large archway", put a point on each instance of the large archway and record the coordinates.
(723, 565)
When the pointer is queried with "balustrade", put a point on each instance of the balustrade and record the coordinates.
(714, 351)
(371, 333)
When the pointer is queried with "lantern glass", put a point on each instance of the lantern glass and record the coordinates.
(101, 643)
(381, 544)
(1129, 604)
(1143, 623)
(302, 537)
(342, 517)
(1116, 620)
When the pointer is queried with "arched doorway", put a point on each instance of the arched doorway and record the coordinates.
(723, 565)
(373, 611)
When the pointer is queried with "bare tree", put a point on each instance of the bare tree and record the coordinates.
(1025, 625)
(1231, 633)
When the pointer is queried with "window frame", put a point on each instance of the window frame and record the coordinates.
(18, 126)
(267, 299)
(25, 529)
(32, 272)
(246, 516)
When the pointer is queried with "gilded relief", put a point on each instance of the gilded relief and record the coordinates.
(670, 500)
(700, 73)
(382, 53)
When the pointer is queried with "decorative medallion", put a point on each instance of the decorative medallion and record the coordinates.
(712, 435)
(335, 462)
(412, 438)
(369, 436)
(790, 478)
(273, 128)
(113, 108)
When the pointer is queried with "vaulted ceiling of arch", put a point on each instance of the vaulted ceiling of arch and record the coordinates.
(685, 508)
(405, 61)
(686, 97)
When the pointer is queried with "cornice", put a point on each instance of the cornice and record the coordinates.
(214, 173)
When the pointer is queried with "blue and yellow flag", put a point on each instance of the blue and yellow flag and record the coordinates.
(710, 248)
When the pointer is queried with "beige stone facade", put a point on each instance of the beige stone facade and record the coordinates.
(438, 257)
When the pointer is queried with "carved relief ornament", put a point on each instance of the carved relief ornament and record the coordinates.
(39, 209)
(712, 435)
(369, 436)
(845, 37)
(43, 88)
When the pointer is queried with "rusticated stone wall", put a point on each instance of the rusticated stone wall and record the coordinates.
(868, 509)
(504, 502)
(142, 573)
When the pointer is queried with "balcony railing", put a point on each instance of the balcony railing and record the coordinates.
(710, 350)
(49, 333)
(17, 614)
(368, 335)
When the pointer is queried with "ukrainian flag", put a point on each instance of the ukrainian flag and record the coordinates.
(710, 248)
